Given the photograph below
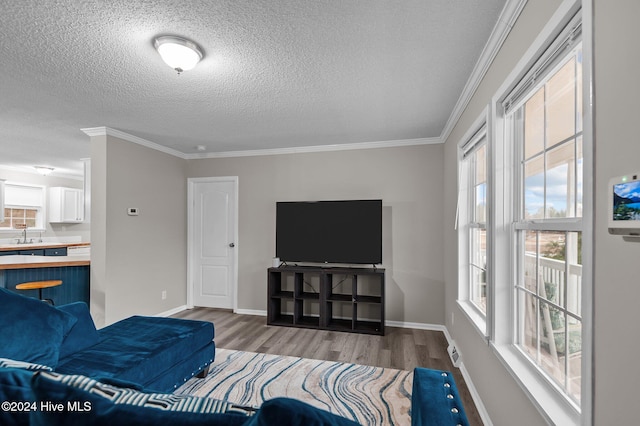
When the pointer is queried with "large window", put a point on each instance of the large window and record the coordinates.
(543, 125)
(525, 222)
(472, 230)
(23, 205)
(478, 227)
(539, 230)
(475, 226)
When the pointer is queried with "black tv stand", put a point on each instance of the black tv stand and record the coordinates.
(354, 303)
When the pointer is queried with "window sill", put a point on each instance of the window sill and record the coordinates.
(552, 403)
(476, 318)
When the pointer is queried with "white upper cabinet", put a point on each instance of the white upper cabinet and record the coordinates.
(66, 205)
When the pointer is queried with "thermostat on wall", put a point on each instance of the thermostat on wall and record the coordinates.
(132, 211)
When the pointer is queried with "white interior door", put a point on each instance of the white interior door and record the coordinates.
(212, 242)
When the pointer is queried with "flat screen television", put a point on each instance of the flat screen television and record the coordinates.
(329, 231)
(624, 205)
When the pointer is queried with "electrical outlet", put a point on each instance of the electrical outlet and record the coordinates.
(164, 294)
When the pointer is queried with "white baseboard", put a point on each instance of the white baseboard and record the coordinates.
(237, 311)
(250, 312)
(482, 411)
(484, 414)
(399, 324)
(417, 326)
(185, 307)
(171, 311)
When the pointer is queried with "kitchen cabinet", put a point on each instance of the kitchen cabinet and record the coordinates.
(75, 282)
(66, 205)
(31, 252)
(59, 251)
(47, 263)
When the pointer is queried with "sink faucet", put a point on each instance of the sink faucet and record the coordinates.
(24, 237)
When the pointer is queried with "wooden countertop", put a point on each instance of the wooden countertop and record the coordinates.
(31, 246)
(28, 262)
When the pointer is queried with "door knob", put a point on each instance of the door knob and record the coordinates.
(232, 245)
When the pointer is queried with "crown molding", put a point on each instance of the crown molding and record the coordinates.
(316, 148)
(108, 131)
(510, 13)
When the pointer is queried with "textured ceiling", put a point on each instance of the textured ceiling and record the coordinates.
(276, 74)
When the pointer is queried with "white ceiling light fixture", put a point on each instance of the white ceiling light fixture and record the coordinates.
(179, 53)
(44, 171)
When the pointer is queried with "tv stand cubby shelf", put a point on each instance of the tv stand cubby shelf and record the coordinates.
(331, 298)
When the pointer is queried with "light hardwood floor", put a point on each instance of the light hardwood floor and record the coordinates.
(399, 348)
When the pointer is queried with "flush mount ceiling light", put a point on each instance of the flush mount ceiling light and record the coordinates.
(179, 53)
(44, 171)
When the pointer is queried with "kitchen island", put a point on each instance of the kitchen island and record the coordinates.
(73, 270)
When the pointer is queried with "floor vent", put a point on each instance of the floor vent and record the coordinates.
(454, 354)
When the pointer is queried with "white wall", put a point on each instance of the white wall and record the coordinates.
(409, 180)
(135, 258)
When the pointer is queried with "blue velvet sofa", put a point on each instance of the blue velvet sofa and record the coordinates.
(158, 354)
(63, 400)
(57, 369)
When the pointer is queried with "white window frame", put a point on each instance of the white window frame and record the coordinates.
(477, 134)
(552, 403)
(41, 218)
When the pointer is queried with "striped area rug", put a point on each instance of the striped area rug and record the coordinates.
(368, 395)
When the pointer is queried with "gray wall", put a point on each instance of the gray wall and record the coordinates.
(617, 286)
(98, 294)
(135, 258)
(409, 180)
(504, 400)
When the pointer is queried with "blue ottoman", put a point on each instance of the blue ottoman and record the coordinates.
(157, 353)
(435, 400)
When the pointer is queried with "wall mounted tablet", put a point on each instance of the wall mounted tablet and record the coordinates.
(624, 205)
